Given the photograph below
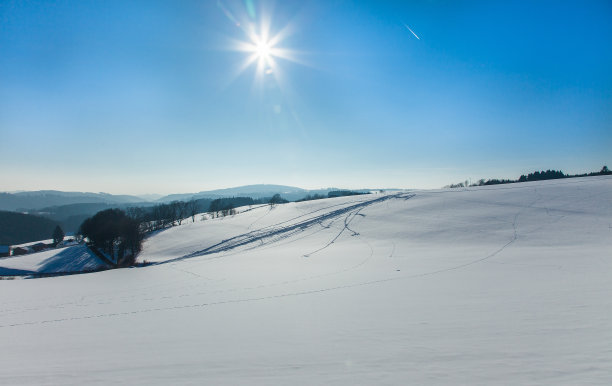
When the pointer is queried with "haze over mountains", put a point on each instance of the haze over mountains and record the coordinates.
(41, 199)
(24, 201)
(290, 193)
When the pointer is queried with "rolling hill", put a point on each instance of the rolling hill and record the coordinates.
(26, 201)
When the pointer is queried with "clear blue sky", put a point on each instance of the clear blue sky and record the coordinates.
(155, 97)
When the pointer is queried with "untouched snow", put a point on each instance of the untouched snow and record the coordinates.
(508, 284)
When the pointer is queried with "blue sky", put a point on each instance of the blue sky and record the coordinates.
(154, 96)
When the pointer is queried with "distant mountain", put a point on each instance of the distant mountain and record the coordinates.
(253, 191)
(28, 201)
(57, 201)
(150, 197)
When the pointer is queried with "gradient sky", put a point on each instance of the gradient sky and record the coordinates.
(154, 97)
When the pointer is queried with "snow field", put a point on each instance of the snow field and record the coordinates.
(496, 285)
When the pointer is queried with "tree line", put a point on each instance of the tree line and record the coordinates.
(535, 176)
(331, 194)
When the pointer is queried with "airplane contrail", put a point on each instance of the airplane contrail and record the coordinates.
(415, 35)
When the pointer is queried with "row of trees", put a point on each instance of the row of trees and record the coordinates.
(227, 206)
(311, 197)
(547, 175)
(341, 193)
(535, 176)
(331, 194)
(166, 215)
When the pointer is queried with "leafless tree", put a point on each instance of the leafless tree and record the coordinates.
(192, 208)
(179, 208)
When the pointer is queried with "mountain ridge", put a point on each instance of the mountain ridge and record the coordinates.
(32, 201)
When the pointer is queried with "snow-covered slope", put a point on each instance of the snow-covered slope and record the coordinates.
(73, 259)
(503, 285)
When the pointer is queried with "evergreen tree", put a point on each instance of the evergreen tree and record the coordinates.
(58, 235)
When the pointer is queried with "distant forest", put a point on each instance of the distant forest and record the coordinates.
(19, 228)
(331, 194)
(535, 176)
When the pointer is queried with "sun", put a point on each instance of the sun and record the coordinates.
(265, 47)
(263, 50)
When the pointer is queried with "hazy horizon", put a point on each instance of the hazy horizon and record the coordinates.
(165, 97)
(153, 194)
(144, 194)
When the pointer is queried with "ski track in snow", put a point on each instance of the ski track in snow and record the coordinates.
(274, 233)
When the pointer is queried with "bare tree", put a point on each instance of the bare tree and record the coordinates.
(179, 211)
(192, 208)
(136, 213)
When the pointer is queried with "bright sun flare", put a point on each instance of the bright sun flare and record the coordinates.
(263, 49)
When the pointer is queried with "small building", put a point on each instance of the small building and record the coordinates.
(18, 251)
(5, 250)
(40, 247)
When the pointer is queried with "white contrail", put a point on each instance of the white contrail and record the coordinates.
(415, 35)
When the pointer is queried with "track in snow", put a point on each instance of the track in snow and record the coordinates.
(283, 230)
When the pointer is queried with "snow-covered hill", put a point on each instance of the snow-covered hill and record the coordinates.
(507, 284)
(72, 259)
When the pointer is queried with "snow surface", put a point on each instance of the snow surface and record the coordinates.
(509, 284)
(71, 259)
